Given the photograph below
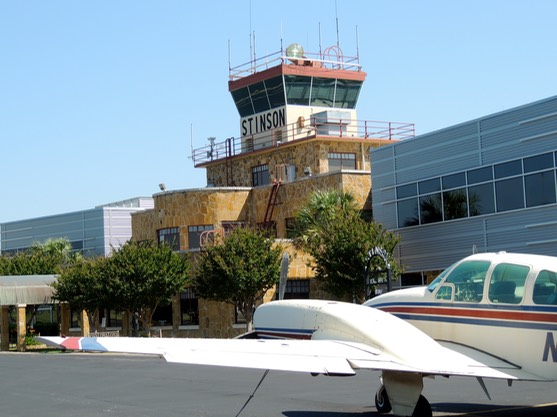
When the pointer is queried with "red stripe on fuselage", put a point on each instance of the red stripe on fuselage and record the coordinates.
(72, 343)
(475, 312)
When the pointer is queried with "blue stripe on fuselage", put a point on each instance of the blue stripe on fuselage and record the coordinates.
(91, 343)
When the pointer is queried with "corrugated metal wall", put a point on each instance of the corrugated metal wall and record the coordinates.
(523, 131)
(95, 232)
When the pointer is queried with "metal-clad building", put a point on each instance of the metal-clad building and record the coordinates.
(487, 185)
(93, 232)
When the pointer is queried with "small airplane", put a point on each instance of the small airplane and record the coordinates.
(491, 315)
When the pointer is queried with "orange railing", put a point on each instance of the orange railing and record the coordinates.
(366, 129)
(331, 58)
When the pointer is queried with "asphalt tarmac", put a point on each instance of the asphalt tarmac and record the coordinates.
(92, 385)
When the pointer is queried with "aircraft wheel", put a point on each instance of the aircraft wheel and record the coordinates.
(382, 402)
(423, 408)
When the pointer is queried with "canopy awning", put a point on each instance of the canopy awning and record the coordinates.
(26, 289)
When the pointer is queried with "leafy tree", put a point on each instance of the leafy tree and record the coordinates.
(239, 271)
(331, 229)
(83, 285)
(142, 276)
(49, 257)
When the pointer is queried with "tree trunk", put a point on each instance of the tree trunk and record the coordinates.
(247, 309)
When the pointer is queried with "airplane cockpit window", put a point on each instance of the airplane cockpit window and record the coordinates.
(439, 278)
(507, 283)
(467, 279)
(545, 288)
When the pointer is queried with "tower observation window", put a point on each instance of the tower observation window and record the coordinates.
(259, 97)
(243, 102)
(297, 89)
(324, 92)
(347, 92)
(275, 92)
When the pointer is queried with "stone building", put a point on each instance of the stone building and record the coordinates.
(299, 133)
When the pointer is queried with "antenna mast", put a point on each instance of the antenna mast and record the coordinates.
(281, 46)
(250, 40)
(191, 141)
(357, 46)
(229, 64)
(320, 50)
(336, 18)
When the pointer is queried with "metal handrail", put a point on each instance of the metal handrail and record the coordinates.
(337, 128)
(322, 60)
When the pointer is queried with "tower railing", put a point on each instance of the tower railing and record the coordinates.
(331, 58)
(281, 136)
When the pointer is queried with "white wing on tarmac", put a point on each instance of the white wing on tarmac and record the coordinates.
(314, 356)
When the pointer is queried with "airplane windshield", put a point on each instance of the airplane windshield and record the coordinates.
(439, 278)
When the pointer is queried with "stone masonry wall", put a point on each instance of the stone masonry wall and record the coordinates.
(311, 153)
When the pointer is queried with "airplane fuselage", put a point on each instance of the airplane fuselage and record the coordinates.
(503, 304)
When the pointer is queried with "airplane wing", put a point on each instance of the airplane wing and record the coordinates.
(329, 357)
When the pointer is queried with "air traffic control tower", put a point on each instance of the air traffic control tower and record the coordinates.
(292, 96)
(299, 132)
(289, 100)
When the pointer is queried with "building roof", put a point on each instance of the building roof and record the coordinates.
(26, 289)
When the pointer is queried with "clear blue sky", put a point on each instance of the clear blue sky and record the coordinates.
(98, 98)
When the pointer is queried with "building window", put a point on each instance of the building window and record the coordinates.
(296, 289)
(509, 194)
(538, 162)
(455, 204)
(229, 226)
(431, 209)
(260, 175)
(408, 190)
(481, 199)
(540, 188)
(194, 235)
(478, 175)
(341, 160)
(512, 185)
(290, 225)
(110, 318)
(162, 316)
(189, 308)
(412, 279)
(75, 319)
(169, 236)
(407, 212)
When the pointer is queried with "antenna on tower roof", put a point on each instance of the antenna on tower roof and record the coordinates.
(336, 18)
(320, 50)
(357, 46)
(191, 142)
(251, 53)
(281, 46)
(229, 64)
(254, 49)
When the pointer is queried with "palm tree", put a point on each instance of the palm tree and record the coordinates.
(317, 215)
